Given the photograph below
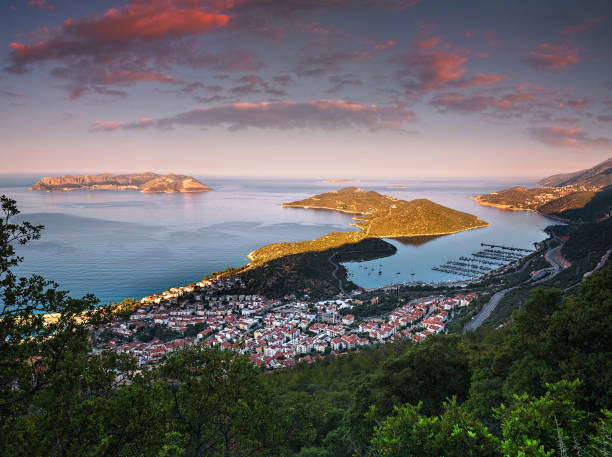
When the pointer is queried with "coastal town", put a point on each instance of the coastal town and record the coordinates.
(274, 333)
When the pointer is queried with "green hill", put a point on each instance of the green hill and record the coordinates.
(379, 216)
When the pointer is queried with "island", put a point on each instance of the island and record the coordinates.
(571, 196)
(144, 182)
(376, 216)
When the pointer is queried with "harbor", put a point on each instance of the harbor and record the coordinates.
(492, 258)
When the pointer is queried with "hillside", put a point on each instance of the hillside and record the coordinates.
(144, 182)
(583, 195)
(380, 216)
(598, 176)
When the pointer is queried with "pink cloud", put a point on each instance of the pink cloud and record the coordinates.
(482, 79)
(553, 57)
(149, 20)
(41, 5)
(287, 115)
(424, 72)
(567, 137)
(578, 105)
(585, 24)
(117, 30)
(384, 45)
(428, 43)
(105, 126)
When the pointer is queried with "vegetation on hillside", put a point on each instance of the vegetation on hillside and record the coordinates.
(541, 386)
(381, 216)
(311, 272)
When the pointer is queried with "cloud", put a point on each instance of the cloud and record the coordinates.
(314, 114)
(341, 81)
(320, 64)
(253, 84)
(425, 71)
(41, 5)
(100, 126)
(482, 79)
(283, 79)
(605, 118)
(471, 103)
(567, 137)
(585, 24)
(118, 31)
(84, 78)
(10, 94)
(552, 57)
(578, 105)
(428, 43)
(503, 102)
(384, 45)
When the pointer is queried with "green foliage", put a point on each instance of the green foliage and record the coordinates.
(533, 425)
(454, 433)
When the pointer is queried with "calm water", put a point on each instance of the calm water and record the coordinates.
(128, 244)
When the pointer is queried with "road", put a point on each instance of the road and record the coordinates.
(336, 267)
(551, 258)
(486, 311)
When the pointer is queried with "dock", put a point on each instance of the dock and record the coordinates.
(484, 262)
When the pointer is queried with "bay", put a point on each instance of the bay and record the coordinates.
(119, 244)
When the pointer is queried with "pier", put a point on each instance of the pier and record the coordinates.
(509, 248)
(484, 262)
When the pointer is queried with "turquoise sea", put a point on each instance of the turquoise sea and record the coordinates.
(119, 244)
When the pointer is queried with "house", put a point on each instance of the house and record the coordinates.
(348, 319)
(350, 340)
(337, 344)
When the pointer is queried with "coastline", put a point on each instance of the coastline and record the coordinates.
(478, 200)
(364, 231)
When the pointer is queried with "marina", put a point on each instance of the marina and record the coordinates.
(484, 262)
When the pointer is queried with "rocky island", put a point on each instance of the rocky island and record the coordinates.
(377, 216)
(143, 182)
(579, 195)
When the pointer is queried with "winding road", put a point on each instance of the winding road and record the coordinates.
(551, 256)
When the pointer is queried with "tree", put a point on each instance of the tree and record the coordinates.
(454, 433)
(215, 401)
(40, 326)
(535, 426)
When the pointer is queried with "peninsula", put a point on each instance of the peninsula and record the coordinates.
(584, 194)
(377, 216)
(144, 182)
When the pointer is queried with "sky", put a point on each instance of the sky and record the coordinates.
(305, 88)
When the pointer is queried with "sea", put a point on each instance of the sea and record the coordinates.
(121, 244)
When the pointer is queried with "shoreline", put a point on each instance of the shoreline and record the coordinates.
(478, 200)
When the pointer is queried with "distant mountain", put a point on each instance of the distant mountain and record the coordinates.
(581, 196)
(144, 182)
(598, 176)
